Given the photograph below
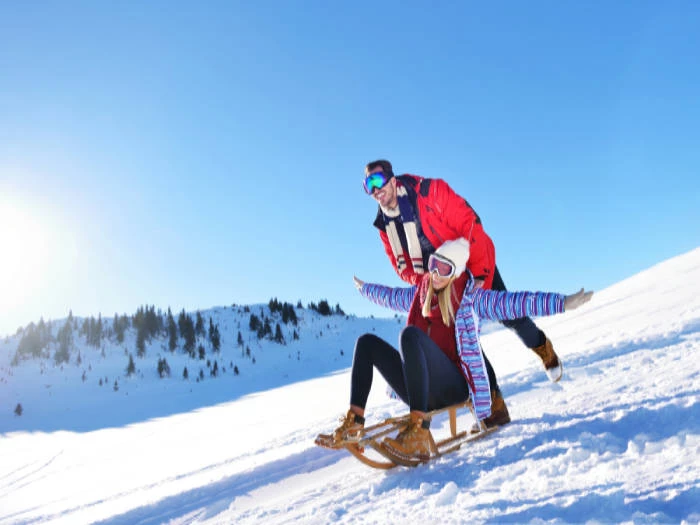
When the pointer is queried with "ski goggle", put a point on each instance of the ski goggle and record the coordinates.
(374, 181)
(441, 265)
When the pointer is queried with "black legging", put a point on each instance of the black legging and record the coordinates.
(421, 375)
(526, 330)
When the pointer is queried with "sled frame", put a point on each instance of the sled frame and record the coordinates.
(373, 435)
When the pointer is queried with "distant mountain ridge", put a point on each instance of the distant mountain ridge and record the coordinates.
(231, 351)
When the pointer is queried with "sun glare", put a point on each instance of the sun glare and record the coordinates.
(24, 254)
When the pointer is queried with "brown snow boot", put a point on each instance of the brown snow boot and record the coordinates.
(550, 360)
(499, 413)
(412, 445)
(350, 430)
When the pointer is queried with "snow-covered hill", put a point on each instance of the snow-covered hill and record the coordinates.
(93, 390)
(617, 440)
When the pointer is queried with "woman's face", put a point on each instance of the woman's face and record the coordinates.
(439, 282)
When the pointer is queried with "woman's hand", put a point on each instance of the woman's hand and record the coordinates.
(358, 282)
(575, 300)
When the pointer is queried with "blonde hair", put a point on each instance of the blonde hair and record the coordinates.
(444, 297)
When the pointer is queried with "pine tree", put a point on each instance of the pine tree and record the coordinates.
(97, 336)
(30, 344)
(163, 368)
(141, 341)
(18, 409)
(185, 374)
(119, 325)
(267, 328)
(65, 343)
(279, 338)
(288, 314)
(187, 332)
(43, 333)
(214, 336)
(115, 329)
(131, 367)
(202, 352)
(199, 325)
(91, 329)
(324, 308)
(149, 321)
(172, 331)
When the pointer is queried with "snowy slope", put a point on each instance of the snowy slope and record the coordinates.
(617, 440)
(58, 398)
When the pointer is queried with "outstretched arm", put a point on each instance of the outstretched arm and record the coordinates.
(500, 306)
(398, 299)
(503, 305)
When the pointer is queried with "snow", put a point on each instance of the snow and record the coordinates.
(617, 440)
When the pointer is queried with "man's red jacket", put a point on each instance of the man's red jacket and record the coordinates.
(445, 216)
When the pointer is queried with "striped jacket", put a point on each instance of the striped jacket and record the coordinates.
(475, 304)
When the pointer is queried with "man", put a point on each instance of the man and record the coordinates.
(416, 215)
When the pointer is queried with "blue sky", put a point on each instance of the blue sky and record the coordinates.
(192, 155)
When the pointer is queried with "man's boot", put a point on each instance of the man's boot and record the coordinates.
(499, 413)
(550, 360)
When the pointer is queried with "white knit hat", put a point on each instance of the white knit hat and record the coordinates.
(456, 251)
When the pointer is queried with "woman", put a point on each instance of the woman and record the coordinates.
(440, 362)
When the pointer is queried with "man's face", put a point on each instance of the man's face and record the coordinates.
(386, 197)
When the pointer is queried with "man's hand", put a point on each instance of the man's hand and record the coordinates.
(575, 300)
(358, 282)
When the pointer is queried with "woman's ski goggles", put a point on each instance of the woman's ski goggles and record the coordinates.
(375, 181)
(441, 265)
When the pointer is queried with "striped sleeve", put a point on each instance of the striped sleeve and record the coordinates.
(398, 299)
(501, 306)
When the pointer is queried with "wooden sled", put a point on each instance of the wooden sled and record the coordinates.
(371, 440)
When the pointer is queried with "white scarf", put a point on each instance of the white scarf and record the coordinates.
(404, 212)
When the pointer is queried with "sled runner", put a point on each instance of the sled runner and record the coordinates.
(370, 450)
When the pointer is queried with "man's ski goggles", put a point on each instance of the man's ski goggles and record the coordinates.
(375, 181)
(442, 265)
